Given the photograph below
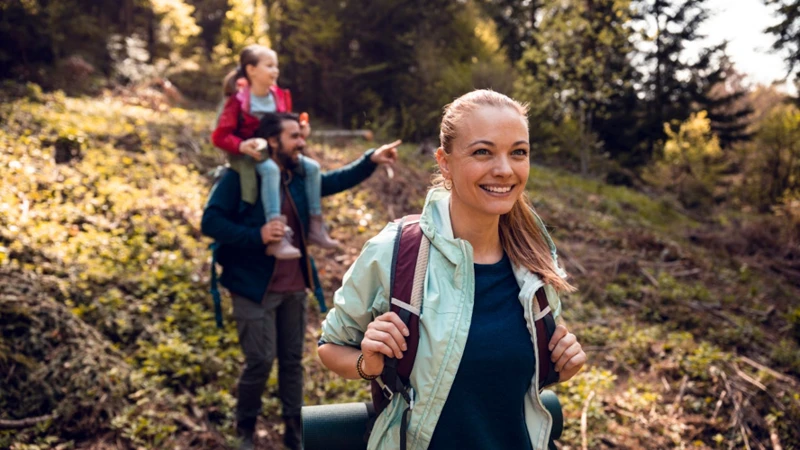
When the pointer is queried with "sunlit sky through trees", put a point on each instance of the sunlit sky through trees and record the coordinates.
(742, 23)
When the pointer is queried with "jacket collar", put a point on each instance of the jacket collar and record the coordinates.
(435, 224)
(243, 95)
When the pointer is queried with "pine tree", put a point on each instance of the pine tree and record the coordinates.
(722, 94)
(580, 71)
(677, 86)
(516, 24)
(669, 26)
(787, 31)
(787, 36)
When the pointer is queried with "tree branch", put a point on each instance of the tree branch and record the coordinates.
(24, 423)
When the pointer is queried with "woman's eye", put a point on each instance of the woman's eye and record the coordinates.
(481, 151)
(520, 152)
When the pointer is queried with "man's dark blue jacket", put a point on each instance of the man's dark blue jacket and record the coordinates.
(236, 226)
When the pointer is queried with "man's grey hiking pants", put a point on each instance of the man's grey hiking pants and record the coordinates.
(276, 327)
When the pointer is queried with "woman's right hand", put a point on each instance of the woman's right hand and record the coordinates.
(385, 336)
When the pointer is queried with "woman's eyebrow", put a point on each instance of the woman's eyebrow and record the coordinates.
(520, 142)
(484, 142)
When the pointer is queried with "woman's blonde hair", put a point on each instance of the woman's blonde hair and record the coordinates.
(521, 234)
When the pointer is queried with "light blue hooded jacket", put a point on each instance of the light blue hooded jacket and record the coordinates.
(444, 323)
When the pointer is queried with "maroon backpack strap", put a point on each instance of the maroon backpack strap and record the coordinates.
(545, 327)
(404, 268)
(405, 299)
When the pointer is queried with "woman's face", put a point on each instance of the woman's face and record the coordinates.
(265, 73)
(490, 160)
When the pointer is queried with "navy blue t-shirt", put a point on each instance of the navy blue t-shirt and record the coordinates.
(485, 407)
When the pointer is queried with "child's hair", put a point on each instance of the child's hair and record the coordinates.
(250, 56)
(520, 233)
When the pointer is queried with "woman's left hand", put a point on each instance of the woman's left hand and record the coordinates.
(567, 353)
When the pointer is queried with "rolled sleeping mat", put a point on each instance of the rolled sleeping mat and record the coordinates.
(553, 406)
(336, 427)
(344, 426)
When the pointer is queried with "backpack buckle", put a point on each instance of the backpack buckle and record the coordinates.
(387, 392)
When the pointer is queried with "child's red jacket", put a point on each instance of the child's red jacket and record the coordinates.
(236, 124)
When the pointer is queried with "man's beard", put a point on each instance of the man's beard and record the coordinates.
(285, 160)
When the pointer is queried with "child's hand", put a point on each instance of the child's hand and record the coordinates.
(249, 147)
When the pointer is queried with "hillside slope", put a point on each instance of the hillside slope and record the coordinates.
(108, 338)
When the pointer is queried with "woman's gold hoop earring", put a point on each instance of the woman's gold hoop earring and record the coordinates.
(448, 184)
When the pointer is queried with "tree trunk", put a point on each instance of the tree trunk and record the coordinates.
(585, 129)
(658, 85)
(151, 38)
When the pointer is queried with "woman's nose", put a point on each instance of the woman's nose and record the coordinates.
(502, 167)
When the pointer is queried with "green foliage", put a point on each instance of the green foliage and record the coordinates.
(787, 354)
(601, 205)
(573, 395)
(773, 159)
(245, 23)
(118, 229)
(37, 34)
(793, 317)
(690, 164)
(176, 24)
(343, 63)
(701, 359)
(580, 62)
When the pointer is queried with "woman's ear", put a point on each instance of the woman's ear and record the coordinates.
(441, 159)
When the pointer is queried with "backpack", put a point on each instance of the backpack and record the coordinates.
(409, 266)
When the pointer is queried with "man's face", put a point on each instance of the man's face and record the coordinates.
(289, 145)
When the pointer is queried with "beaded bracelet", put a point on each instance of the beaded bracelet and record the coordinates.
(361, 372)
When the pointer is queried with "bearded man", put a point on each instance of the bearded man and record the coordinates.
(269, 295)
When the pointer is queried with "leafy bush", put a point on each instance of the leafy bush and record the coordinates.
(690, 164)
(110, 250)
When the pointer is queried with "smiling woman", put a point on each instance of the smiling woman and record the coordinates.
(487, 339)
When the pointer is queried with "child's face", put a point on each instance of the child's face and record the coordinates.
(265, 73)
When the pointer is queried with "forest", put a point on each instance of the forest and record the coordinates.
(669, 180)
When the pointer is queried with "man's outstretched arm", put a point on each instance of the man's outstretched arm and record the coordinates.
(351, 175)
